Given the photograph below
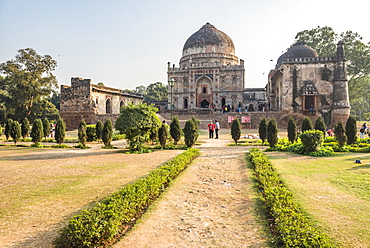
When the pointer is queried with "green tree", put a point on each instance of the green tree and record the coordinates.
(292, 130)
(107, 133)
(82, 135)
(137, 122)
(156, 92)
(1, 130)
(162, 135)
(190, 133)
(8, 128)
(99, 129)
(25, 128)
(340, 134)
(272, 133)
(37, 131)
(60, 131)
(91, 133)
(351, 130)
(262, 130)
(320, 125)
(46, 127)
(306, 124)
(236, 130)
(15, 132)
(175, 130)
(27, 85)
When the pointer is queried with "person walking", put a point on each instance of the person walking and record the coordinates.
(211, 129)
(217, 127)
(363, 130)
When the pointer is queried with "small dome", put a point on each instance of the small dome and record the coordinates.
(208, 39)
(298, 50)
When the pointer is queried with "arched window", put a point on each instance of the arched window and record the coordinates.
(234, 80)
(97, 100)
(121, 104)
(108, 106)
(204, 90)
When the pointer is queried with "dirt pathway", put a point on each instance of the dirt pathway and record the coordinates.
(209, 205)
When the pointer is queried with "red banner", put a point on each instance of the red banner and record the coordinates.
(246, 119)
(231, 118)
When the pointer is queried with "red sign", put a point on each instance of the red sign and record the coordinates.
(230, 119)
(246, 119)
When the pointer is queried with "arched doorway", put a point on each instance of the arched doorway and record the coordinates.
(204, 104)
(108, 106)
(186, 106)
(223, 102)
(121, 104)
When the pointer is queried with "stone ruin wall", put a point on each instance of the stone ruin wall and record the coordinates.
(84, 100)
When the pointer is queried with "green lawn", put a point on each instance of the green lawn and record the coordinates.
(334, 190)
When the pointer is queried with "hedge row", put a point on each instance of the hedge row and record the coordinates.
(100, 224)
(290, 225)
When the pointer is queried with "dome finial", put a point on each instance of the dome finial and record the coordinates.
(208, 25)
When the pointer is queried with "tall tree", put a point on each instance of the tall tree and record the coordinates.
(162, 135)
(27, 85)
(99, 129)
(320, 125)
(82, 135)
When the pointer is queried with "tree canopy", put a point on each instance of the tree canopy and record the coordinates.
(154, 92)
(26, 86)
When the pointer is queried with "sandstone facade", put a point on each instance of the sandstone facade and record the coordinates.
(84, 100)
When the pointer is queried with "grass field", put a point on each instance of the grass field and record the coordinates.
(335, 191)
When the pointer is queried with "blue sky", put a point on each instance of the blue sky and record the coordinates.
(125, 44)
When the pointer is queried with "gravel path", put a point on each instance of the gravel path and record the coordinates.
(209, 205)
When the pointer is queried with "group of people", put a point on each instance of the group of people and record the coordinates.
(213, 128)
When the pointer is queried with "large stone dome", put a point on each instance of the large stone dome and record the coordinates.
(298, 50)
(208, 39)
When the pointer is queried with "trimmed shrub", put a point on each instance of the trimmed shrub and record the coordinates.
(82, 136)
(175, 130)
(190, 133)
(235, 130)
(262, 130)
(311, 140)
(162, 135)
(320, 125)
(272, 133)
(306, 124)
(289, 224)
(351, 130)
(96, 226)
(340, 134)
(60, 131)
(196, 122)
(46, 127)
(37, 132)
(91, 133)
(8, 128)
(25, 128)
(99, 130)
(15, 132)
(107, 133)
(292, 130)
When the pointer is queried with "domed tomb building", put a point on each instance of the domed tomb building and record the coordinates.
(209, 73)
(304, 83)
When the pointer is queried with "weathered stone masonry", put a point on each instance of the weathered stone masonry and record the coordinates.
(84, 100)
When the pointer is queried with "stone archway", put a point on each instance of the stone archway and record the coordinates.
(108, 106)
(204, 104)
